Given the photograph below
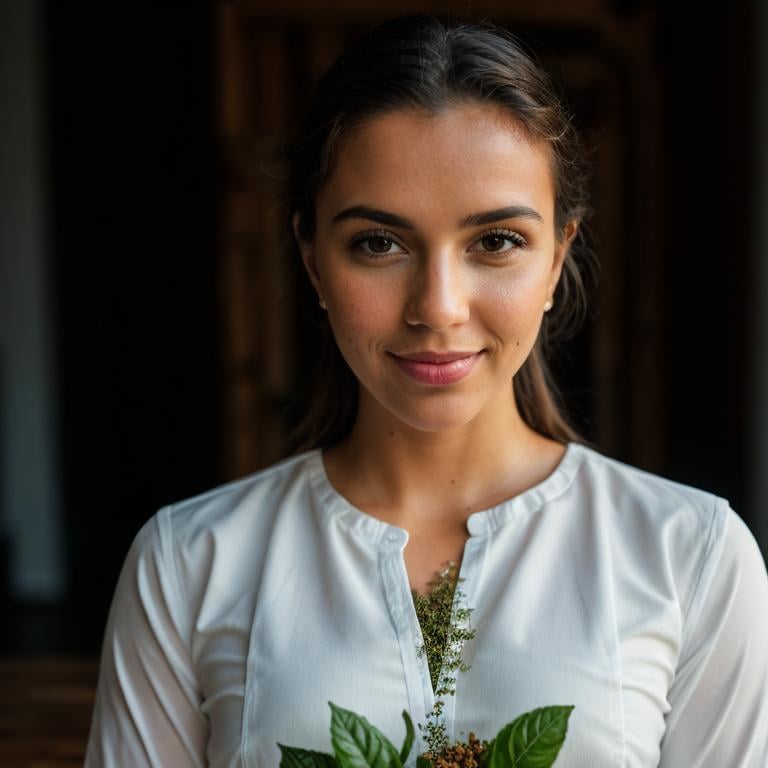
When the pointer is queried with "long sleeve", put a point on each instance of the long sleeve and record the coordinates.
(147, 710)
(719, 698)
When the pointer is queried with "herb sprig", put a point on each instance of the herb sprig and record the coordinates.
(533, 740)
(446, 629)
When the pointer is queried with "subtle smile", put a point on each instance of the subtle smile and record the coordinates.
(438, 368)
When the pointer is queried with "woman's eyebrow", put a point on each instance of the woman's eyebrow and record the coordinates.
(473, 220)
(372, 214)
(510, 212)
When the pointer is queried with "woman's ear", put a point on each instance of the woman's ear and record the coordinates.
(561, 251)
(307, 249)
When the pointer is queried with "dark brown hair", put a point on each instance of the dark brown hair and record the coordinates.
(429, 62)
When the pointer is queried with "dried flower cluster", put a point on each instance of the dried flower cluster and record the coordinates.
(445, 629)
(460, 755)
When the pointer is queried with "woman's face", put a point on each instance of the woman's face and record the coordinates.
(435, 234)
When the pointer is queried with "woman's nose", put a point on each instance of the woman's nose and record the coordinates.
(438, 294)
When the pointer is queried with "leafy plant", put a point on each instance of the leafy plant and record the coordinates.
(533, 740)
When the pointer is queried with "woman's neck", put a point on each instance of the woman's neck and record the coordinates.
(410, 478)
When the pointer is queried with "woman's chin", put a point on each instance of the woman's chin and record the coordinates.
(435, 417)
(425, 411)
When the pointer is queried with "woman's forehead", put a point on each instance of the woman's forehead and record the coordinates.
(463, 157)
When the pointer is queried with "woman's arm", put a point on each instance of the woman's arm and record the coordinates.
(719, 698)
(148, 701)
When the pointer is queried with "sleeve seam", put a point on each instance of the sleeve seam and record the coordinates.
(703, 560)
(166, 539)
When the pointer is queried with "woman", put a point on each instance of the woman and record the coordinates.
(438, 204)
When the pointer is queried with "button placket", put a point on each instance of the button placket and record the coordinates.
(400, 604)
(469, 574)
(419, 682)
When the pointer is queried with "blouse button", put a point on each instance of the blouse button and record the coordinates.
(474, 525)
(393, 537)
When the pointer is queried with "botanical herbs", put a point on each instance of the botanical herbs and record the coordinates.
(533, 740)
(434, 611)
(444, 641)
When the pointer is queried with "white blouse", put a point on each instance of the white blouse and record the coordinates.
(240, 613)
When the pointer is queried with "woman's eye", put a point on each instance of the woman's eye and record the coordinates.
(501, 241)
(379, 244)
(376, 244)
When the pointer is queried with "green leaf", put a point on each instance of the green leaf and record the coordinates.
(422, 762)
(295, 757)
(409, 736)
(358, 744)
(533, 740)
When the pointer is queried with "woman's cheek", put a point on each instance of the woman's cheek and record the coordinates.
(361, 313)
(511, 303)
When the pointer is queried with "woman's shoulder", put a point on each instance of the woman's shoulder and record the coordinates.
(220, 537)
(646, 503)
(230, 521)
(663, 523)
(245, 501)
(633, 487)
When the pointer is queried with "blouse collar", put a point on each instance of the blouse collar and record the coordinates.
(479, 523)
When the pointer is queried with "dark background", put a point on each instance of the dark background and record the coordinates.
(135, 169)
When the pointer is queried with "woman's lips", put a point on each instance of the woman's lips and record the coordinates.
(438, 373)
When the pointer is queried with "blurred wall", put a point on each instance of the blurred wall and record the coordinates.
(29, 504)
(759, 297)
(132, 197)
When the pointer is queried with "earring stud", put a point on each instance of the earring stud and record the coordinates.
(323, 304)
(548, 305)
